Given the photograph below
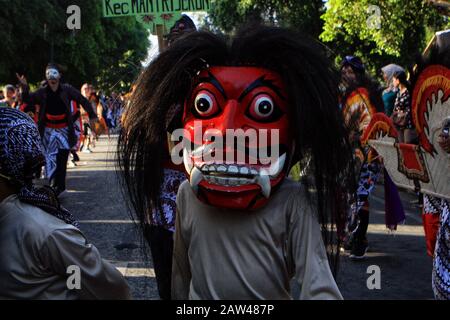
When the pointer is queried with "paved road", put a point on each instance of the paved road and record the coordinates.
(95, 199)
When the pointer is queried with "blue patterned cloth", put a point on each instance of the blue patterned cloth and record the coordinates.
(441, 261)
(366, 184)
(165, 217)
(53, 141)
(21, 156)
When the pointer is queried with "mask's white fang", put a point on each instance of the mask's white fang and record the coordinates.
(276, 167)
(195, 178)
(187, 161)
(263, 181)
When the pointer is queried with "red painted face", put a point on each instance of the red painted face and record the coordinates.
(237, 125)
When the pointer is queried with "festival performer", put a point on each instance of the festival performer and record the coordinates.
(242, 230)
(360, 101)
(40, 243)
(58, 125)
(441, 261)
(159, 231)
(436, 209)
(425, 167)
(101, 126)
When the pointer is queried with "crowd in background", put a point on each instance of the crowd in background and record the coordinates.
(109, 107)
(69, 120)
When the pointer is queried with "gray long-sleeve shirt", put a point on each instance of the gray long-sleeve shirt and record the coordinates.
(223, 254)
(37, 250)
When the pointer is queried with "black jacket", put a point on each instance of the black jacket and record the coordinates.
(67, 94)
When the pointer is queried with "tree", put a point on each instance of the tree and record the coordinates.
(303, 15)
(380, 31)
(106, 51)
(23, 26)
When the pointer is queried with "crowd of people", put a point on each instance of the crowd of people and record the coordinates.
(108, 111)
(216, 230)
(41, 129)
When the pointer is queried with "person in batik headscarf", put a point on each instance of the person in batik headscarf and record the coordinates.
(42, 249)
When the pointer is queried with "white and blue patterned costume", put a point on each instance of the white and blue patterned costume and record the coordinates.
(441, 261)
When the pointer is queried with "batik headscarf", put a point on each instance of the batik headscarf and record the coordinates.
(21, 157)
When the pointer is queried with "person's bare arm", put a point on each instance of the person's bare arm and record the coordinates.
(30, 98)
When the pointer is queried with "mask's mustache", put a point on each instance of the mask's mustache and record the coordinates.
(236, 154)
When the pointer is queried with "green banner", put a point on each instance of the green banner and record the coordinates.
(152, 8)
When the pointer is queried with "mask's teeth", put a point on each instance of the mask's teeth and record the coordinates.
(244, 170)
(195, 178)
(187, 161)
(276, 167)
(233, 169)
(263, 181)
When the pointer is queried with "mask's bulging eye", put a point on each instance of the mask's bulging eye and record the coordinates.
(263, 109)
(205, 104)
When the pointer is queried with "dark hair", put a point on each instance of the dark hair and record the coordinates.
(365, 81)
(401, 76)
(315, 119)
(182, 26)
(355, 63)
(52, 65)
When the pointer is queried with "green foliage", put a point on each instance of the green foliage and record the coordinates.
(303, 15)
(106, 51)
(346, 26)
(397, 35)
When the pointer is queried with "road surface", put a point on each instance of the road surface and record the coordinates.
(95, 199)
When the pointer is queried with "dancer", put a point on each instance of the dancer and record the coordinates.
(425, 167)
(159, 232)
(360, 101)
(242, 230)
(58, 115)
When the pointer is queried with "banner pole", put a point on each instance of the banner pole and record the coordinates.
(160, 34)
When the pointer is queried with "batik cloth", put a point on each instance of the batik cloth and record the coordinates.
(431, 205)
(55, 139)
(367, 179)
(21, 156)
(441, 261)
(165, 216)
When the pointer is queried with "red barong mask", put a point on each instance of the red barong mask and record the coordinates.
(237, 143)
